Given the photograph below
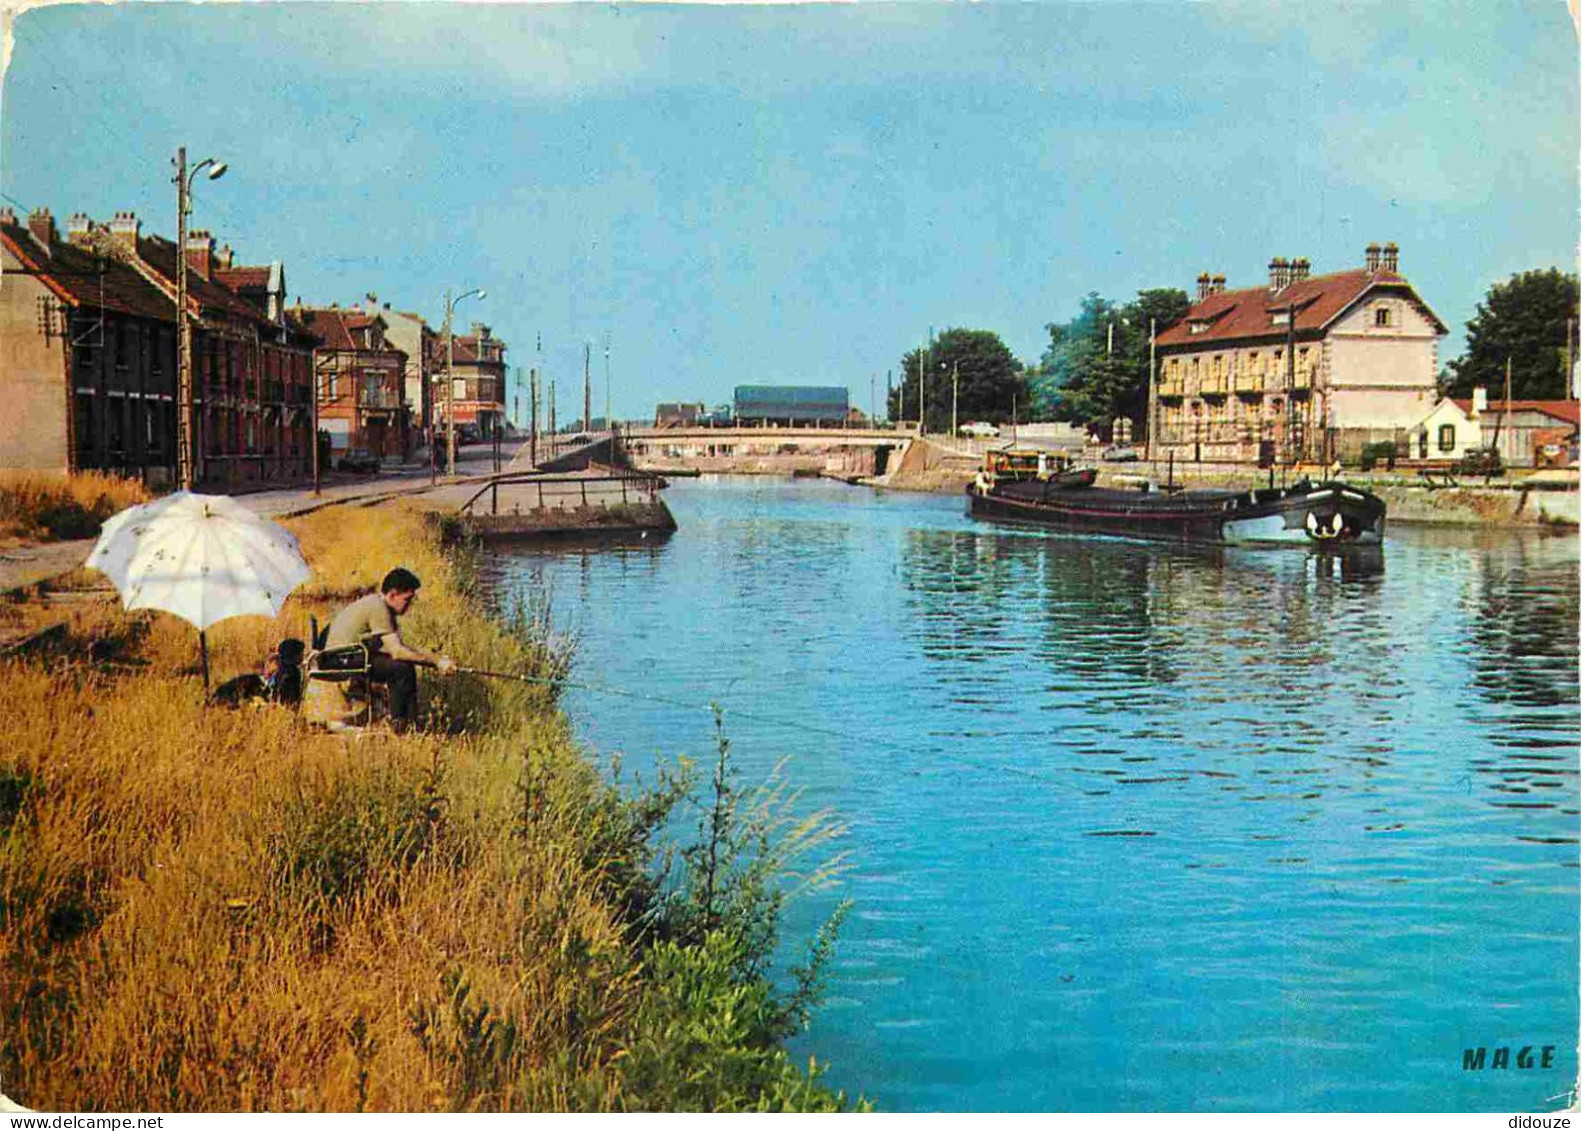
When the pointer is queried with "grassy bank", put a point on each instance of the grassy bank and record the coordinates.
(206, 909)
(39, 507)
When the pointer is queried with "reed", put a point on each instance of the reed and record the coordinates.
(208, 909)
(44, 507)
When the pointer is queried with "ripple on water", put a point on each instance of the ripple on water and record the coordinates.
(1048, 750)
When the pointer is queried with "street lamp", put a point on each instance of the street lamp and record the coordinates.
(450, 375)
(186, 421)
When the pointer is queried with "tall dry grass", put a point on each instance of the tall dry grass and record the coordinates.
(207, 909)
(43, 506)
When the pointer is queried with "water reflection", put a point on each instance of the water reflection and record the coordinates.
(1257, 816)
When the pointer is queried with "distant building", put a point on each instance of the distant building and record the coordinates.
(668, 415)
(361, 379)
(410, 334)
(88, 356)
(1526, 427)
(791, 404)
(1365, 352)
(478, 383)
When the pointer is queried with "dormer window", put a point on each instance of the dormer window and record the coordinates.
(1281, 317)
(1199, 327)
(1383, 316)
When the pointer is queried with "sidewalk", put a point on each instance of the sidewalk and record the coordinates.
(28, 564)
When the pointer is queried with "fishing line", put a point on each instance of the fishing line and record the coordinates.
(754, 716)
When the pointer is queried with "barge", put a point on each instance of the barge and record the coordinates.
(1329, 513)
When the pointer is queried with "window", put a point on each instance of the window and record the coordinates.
(1281, 317)
(1383, 316)
(1446, 437)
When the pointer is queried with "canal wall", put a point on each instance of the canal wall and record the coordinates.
(1481, 506)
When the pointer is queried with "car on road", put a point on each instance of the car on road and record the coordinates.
(1121, 453)
(359, 460)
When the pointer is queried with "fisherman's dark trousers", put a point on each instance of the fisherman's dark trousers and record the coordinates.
(401, 678)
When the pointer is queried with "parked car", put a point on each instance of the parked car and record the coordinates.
(1479, 461)
(360, 460)
(980, 429)
(1121, 453)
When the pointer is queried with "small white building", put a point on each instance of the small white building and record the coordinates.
(1450, 430)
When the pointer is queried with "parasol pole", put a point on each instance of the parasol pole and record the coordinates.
(203, 651)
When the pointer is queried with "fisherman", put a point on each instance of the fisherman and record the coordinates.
(374, 621)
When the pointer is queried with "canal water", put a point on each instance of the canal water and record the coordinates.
(1130, 826)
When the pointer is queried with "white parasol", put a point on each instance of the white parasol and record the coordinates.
(202, 557)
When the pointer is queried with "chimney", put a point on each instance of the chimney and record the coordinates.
(42, 226)
(1300, 269)
(79, 229)
(1278, 273)
(125, 228)
(224, 258)
(1217, 287)
(7, 215)
(1204, 282)
(1479, 402)
(1391, 258)
(1372, 258)
(200, 253)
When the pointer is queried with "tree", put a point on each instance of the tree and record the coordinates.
(1096, 366)
(992, 383)
(1526, 322)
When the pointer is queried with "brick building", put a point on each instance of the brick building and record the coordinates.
(361, 380)
(478, 383)
(1365, 353)
(88, 345)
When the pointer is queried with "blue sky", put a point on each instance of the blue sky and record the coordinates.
(736, 194)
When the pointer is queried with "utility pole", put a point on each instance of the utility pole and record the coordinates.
(187, 447)
(1570, 380)
(587, 386)
(922, 391)
(609, 415)
(532, 431)
(553, 430)
(1152, 391)
(955, 400)
(1507, 419)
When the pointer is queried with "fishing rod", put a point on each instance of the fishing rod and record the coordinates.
(752, 716)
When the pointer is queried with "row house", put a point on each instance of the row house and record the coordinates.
(477, 381)
(361, 380)
(1308, 367)
(410, 334)
(88, 345)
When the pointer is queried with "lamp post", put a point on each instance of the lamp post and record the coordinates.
(450, 375)
(186, 420)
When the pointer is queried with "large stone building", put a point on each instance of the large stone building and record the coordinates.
(1305, 367)
(88, 356)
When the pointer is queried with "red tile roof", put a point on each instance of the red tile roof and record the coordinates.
(1567, 411)
(237, 278)
(78, 276)
(1248, 314)
(159, 255)
(333, 326)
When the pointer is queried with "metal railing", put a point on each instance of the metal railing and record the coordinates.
(641, 485)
